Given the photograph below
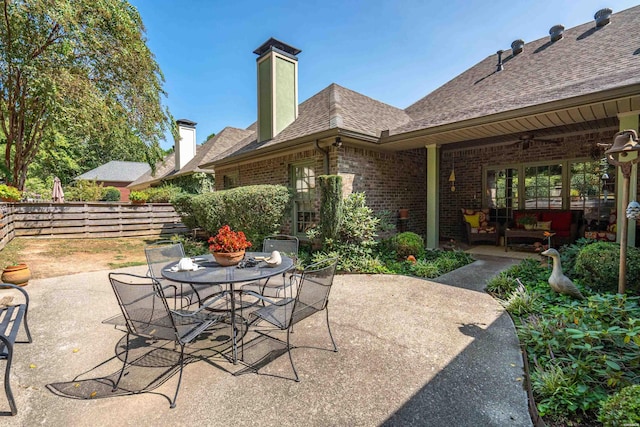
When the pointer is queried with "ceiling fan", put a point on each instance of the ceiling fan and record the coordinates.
(526, 139)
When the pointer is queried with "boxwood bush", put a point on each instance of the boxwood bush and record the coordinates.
(257, 210)
(110, 194)
(598, 265)
(408, 243)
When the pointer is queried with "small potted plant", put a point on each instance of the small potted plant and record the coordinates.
(527, 221)
(9, 193)
(138, 197)
(228, 246)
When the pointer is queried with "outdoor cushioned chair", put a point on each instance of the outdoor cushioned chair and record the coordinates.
(147, 314)
(477, 227)
(312, 297)
(286, 245)
(164, 252)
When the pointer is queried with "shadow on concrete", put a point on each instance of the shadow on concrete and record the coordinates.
(468, 376)
(151, 364)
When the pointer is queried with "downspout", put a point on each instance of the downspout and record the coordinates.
(325, 161)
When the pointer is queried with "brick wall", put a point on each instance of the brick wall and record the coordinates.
(469, 164)
(390, 180)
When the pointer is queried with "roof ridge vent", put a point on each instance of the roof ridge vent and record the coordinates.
(517, 46)
(556, 32)
(603, 17)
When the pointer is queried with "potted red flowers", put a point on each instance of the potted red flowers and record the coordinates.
(228, 246)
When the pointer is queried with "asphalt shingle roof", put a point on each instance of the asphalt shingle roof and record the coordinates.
(332, 107)
(219, 143)
(586, 60)
(117, 171)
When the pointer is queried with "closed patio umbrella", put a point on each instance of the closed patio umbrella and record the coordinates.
(58, 194)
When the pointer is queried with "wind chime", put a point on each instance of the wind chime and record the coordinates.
(452, 176)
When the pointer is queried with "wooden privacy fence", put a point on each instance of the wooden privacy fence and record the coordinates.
(6, 224)
(87, 220)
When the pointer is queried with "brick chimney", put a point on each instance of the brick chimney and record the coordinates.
(185, 148)
(277, 87)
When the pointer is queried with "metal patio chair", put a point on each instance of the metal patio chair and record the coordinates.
(164, 252)
(147, 315)
(312, 297)
(286, 245)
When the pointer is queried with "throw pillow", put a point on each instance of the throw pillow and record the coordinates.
(542, 225)
(473, 220)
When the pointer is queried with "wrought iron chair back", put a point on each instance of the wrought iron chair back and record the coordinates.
(312, 297)
(287, 245)
(164, 252)
(160, 254)
(147, 314)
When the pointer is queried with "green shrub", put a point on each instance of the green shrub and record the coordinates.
(502, 284)
(36, 188)
(110, 194)
(594, 343)
(426, 269)
(520, 302)
(331, 205)
(138, 196)
(84, 191)
(191, 246)
(569, 255)
(10, 193)
(162, 194)
(622, 408)
(408, 243)
(355, 240)
(257, 210)
(195, 183)
(182, 203)
(598, 265)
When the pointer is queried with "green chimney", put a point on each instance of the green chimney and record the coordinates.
(277, 87)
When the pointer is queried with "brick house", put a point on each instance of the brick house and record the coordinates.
(521, 129)
(116, 174)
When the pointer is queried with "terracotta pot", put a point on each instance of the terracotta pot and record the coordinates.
(228, 258)
(403, 213)
(16, 274)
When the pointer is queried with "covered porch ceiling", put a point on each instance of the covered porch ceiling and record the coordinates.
(555, 119)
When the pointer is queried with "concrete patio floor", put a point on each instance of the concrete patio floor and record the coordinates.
(411, 352)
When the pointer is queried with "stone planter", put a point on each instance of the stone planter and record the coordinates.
(16, 274)
(226, 259)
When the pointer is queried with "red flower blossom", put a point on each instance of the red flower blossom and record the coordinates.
(228, 241)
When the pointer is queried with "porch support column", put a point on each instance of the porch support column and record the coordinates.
(433, 198)
(630, 120)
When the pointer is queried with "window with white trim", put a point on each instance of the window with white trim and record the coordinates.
(303, 181)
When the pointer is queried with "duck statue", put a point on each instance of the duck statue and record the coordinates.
(558, 281)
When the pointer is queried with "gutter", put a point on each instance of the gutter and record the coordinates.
(563, 104)
(325, 153)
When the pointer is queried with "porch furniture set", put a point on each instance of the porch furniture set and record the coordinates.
(565, 225)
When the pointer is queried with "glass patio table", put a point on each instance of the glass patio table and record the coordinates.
(213, 274)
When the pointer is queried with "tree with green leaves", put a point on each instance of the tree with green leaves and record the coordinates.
(77, 71)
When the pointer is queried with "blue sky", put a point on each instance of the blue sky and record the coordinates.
(393, 51)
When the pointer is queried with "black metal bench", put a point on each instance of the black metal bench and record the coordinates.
(11, 317)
